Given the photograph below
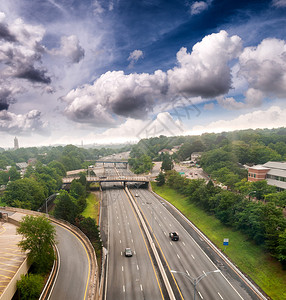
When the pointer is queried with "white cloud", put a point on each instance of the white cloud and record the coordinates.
(134, 130)
(264, 67)
(70, 48)
(22, 123)
(274, 117)
(279, 3)
(198, 6)
(205, 72)
(112, 93)
(134, 56)
(202, 73)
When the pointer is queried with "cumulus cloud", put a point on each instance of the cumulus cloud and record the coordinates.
(279, 3)
(70, 48)
(115, 93)
(264, 67)
(202, 73)
(23, 123)
(205, 71)
(134, 56)
(259, 119)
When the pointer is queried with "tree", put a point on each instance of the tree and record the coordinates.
(167, 163)
(24, 193)
(281, 248)
(30, 286)
(66, 207)
(38, 236)
(160, 179)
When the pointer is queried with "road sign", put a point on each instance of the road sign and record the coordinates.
(225, 242)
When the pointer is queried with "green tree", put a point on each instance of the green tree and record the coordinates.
(30, 286)
(24, 193)
(38, 236)
(13, 174)
(66, 207)
(281, 248)
(167, 163)
(160, 179)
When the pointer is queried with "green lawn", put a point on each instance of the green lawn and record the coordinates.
(92, 207)
(251, 259)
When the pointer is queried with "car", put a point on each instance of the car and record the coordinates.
(136, 195)
(128, 252)
(174, 236)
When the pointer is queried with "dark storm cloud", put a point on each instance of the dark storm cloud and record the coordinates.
(6, 98)
(5, 34)
(32, 74)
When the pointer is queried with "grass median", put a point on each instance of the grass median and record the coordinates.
(92, 207)
(250, 258)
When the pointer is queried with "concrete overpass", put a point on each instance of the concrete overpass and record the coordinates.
(113, 162)
(117, 178)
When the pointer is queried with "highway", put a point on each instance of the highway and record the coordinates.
(133, 277)
(74, 267)
(191, 255)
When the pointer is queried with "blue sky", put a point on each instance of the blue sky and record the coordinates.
(94, 71)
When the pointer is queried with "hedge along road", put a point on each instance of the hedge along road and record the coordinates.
(74, 267)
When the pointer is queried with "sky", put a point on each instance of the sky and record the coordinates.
(114, 71)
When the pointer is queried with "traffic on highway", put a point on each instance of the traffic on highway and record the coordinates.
(194, 270)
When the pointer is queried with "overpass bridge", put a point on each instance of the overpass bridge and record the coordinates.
(117, 178)
(113, 162)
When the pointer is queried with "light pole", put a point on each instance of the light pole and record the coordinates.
(196, 280)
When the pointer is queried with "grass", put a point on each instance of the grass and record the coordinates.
(264, 270)
(92, 207)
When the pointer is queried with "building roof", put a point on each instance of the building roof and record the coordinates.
(259, 167)
(277, 172)
(275, 165)
(280, 184)
(22, 165)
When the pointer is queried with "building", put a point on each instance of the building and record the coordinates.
(195, 156)
(273, 172)
(16, 144)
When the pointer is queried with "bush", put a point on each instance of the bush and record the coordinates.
(30, 286)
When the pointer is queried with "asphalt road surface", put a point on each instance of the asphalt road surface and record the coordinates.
(74, 270)
(133, 277)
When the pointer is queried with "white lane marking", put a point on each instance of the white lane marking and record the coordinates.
(200, 295)
(205, 273)
(122, 269)
(192, 256)
(117, 217)
(131, 240)
(160, 212)
(171, 243)
(187, 272)
(141, 287)
(184, 244)
(130, 230)
(165, 218)
(118, 224)
(170, 225)
(165, 233)
(128, 223)
(120, 241)
(178, 256)
(134, 252)
(121, 253)
(119, 231)
(137, 267)
(220, 295)
(160, 225)
(123, 288)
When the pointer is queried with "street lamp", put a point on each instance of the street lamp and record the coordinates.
(196, 280)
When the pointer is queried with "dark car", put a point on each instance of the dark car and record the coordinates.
(128, 252)
(174, 236)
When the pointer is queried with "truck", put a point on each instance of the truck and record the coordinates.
(174, 236)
